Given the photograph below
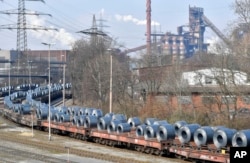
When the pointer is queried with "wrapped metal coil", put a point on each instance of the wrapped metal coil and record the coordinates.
(57, 116)
(88, 111)
(25, 109)
(69, 110)
(81, 120)
(151, 131)
(98, 113)
(163, 122)
(140, 130)
(134, 121)
(109, 115)
(165, 132)
(123, 127)
(64, 118)
(64, 110)
(241, 138)
(52, 114)
(74, 120)
(90, 121)
(82, 111)
(217, 127)
(75, 111)
(223, 137)
(43, 113)
(178, 125)
(150, 121)
(120, 117)
(9, 104)
(203, 135)
(103, 122)
(113, 126)
(186, 133)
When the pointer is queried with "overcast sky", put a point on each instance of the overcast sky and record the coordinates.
(122, 19)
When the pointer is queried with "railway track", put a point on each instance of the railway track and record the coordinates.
(10, 154)
(57, 145)
(54, 147)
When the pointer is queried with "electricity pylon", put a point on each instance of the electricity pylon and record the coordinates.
(22, 26)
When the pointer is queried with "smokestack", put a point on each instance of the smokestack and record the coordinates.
(148, 12)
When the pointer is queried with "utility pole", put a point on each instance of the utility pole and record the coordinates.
(148, 18)
(22, 26)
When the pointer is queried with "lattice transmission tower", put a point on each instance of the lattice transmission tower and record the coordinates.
(22, 26)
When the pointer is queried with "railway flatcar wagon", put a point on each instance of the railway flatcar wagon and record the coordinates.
(182, 140)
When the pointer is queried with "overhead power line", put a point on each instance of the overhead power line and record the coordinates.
(22, 25)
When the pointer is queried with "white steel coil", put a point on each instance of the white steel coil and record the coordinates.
(90, 121)
(134, 121)
(178, 125)
(165, 132)
(123, 127)
(186, 133)
(103, 122)
(140, 130)
(203, 135)
(241, 138)
(150, 121)
(81, 120)
(151, 131)
(223, 137)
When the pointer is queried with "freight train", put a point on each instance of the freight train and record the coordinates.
(153, 136)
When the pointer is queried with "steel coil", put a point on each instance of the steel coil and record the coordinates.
(150, 121)
(217, 127)
(98, 113)
(186, 133)
(103, 122)
(81, 120)
(75, 111)
(134, 121)
(82, 111)
(43, 113)
(120, 117)
(64, 118)
(203, 135)
(88, 111)
(113, 126)
(57, 116)
(74, 120)
(64, 110)
(151, 131)
(109, 115)
(90, 121)
(223, 137)
(123, 127)
(140, 130)
(25, 109)
(53, 113)
(69, 110)
(165, 132)
(241, 138)
(178, 125)
(163, 122)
